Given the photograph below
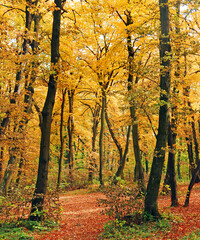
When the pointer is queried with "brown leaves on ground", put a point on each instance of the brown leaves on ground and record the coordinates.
(82, 218)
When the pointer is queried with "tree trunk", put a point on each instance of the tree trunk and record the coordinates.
(1, 163)
(192, 182)
(165, 189)
(138, 173)
(171, 163)
(19, 174)
(42, 177)
(196, 147)
(94, 135)
(5, 183)
(61, 139)
(151, 199)
(190, 156)
(179, 164)
(122, 162)
(122, 156)
(101, 137)
(70, 128)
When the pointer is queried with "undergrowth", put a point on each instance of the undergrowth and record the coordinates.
(192, 235)
(15, 210)
(123, 203)
(125, 207)
(118, 230)
(24, 229)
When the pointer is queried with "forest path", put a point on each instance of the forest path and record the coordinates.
(82, 218)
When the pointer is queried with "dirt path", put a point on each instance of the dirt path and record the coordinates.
(81, 218)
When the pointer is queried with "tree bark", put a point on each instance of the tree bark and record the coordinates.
(122, 155)
(94, 135)
(1, 163)
(179, 164)
(19, 174)
(171, 163)
(196, 147)
(151, 199)
(122, 162)
(5, 183)
(138, 173)
(192, 182)
(101, 137)
(70, 128)
(61, 139)
(42, 177)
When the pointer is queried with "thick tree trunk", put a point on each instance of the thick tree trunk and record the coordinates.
(42, 177)
(151, 199)
(61, 138)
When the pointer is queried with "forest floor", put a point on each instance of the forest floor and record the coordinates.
(82, 218)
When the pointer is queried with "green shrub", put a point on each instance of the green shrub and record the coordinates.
(119, 230)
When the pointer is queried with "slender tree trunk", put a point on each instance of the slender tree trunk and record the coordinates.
(122, 162)
(5, 183)
(179, 164)
(61, 138)
(42, 177)
(94, 135)
(29, 86)
(1, 163)
(138, 173)
(192, 182)
(171, 163)
(196, 147)
(101, 137)
(190, 156)
(165, 189)
(122, 155)
(70, 127)
(151, 199)
(147, 166)
(19, 174)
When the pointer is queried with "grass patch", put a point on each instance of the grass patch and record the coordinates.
(24, 229)
(192, 235)
(119, 230)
